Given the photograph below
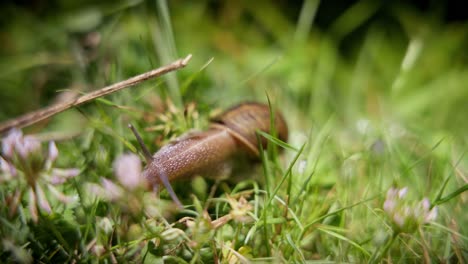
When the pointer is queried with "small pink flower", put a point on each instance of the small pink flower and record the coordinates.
(27, 146)
(10, 141)
(127, 168)
(407, 215)
(23, 157)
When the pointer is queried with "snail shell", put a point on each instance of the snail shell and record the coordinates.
(233, 132)
(242, 122)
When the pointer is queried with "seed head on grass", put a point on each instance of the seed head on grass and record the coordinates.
(29, 170)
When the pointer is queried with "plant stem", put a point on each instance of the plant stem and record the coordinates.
(41, 114)
(376, 257)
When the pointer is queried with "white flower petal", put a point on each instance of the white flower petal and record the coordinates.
(43, 203)
(4, 165)
(60, 196)
(59, 176)
(55, 180)
(426, 204)
(27, 145)
(9, 142)
(33, 205)
(8, 169)
(98, 250)
(389, 206)
(53, 151)
(402, 192)
(407, 212)
(113, 191)
(398, 219)
(127, 168)
(105, 224)
(431, 216)
(391, 193)
(96, 190)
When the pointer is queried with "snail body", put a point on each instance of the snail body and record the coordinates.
(191, 154)
(231, 133)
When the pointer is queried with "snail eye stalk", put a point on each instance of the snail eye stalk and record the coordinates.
(163, 177)
(146, 153)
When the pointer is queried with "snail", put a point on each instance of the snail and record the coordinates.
(231, 133)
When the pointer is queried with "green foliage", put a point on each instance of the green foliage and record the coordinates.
(376, 99)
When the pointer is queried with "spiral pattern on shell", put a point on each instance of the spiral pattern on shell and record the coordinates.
(245, 119)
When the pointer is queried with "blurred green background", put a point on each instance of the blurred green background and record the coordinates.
(331, 57)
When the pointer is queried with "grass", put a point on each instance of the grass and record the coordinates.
(376, 100)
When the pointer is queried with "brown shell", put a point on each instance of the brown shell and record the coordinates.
(245, 119)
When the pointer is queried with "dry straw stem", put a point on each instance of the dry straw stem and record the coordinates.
(41, 114)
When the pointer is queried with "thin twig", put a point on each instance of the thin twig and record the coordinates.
(41, 114)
